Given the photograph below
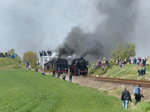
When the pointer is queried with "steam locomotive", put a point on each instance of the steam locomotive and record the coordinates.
(59, 65)
(79, 66)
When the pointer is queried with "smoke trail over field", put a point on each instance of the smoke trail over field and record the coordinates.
(117, 27)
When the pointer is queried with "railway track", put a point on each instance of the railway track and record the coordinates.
(122, 81)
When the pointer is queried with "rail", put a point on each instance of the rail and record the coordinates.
(122, 81)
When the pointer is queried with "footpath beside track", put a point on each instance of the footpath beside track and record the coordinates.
(122, 81)
(119, 81)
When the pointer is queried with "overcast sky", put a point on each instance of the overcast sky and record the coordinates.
(43, 24)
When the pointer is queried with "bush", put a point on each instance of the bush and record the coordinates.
(30, 57)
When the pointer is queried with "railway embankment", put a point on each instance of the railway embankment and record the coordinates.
(129, 71)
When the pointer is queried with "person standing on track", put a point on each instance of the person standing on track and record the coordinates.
(126, 97)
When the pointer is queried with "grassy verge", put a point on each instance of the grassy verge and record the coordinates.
(27, 91)
(143, 107)
(9, 63)
(127, 72)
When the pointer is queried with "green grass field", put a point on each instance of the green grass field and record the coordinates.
(27, 91)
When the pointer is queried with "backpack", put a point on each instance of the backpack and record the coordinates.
(137, 90)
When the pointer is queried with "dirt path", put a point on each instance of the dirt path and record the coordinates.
(113, 89)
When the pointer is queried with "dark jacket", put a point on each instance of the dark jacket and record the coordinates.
(126, 95)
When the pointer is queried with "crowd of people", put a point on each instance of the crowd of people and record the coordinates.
(126, 97)
(122, 63)
(45, 53)
(132, 60)
(102, 63)
(140, 62)
(7, 55)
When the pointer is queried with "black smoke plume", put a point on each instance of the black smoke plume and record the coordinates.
(118, 27)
